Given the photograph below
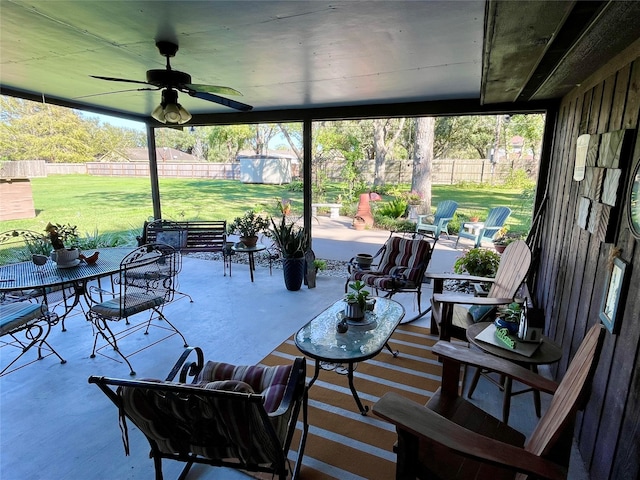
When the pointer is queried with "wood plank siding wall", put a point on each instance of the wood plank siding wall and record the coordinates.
(573, 269)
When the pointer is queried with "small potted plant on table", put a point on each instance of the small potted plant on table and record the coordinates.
(356, 300)
(248, 226)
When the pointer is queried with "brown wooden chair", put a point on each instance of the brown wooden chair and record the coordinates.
(451, 319)
(450, 438)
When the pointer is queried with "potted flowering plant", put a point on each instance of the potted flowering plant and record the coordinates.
(58, 235)
(248, 226)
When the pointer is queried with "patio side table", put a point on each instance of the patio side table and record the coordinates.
(241, 248)
(546, 353)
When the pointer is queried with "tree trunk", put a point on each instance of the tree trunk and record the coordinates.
(382, 145)
(422, 160)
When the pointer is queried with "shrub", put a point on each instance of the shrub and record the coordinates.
(396, 208)
(296, 186)
(478, 262)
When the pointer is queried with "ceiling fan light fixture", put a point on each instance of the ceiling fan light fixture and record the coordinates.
(169, 110)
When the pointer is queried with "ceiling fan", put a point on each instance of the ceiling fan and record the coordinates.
(172, 82)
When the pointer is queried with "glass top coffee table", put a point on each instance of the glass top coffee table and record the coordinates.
(364, 339)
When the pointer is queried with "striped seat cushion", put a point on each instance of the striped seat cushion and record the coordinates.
(270, 382)
(402, 265)
(127, 305)
(223, 427)
(13, 315)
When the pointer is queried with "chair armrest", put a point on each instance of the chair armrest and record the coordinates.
(422, 422)
(192, 369)
(470, 299)
(458, 277)
(450, 352)
(443, 221)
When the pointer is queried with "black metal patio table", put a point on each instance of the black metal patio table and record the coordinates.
(364, 339)
(26, 276)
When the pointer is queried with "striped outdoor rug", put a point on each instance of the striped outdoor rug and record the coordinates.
(343, 444)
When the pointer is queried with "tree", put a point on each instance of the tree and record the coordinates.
(263, 133)
(422, 160)
(39, 131)
(226, 141)
(386, 132)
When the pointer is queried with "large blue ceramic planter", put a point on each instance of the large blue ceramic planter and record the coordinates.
(293, 269)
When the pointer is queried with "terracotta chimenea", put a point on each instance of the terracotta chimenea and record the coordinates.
(363, 215)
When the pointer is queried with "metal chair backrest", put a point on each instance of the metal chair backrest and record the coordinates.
(149, 269)
(18, 245)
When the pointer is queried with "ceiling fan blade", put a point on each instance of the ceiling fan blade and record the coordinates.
(111, 79)
(213, 89)
(119, 91)
(221, 100)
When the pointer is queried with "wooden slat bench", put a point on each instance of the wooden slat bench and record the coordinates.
(334, 208)
(201, 235)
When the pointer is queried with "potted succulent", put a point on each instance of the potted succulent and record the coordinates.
(293, 242)
(248, 226)
(356, 300)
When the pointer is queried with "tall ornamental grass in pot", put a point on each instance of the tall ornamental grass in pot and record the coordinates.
(293, 242)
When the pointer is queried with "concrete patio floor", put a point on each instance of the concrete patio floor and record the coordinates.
(54, 425)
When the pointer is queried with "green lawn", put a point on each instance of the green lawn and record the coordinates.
(119, 206)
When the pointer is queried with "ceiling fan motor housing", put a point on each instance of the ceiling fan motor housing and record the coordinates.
(168, 78)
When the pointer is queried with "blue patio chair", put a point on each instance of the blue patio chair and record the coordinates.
(487, 230)
(438, 223)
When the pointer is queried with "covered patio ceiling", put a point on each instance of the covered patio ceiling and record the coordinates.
(297, 59)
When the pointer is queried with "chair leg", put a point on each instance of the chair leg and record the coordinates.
(474, 382)
(157, 463)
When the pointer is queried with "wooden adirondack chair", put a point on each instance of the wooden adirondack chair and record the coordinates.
(450, 438)
(451, 319)
(487, 230)
(444, 214)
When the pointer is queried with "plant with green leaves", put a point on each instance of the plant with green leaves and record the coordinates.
(291, 239)
(396, 208)
(320, 264)
(60, 234)
(358, 295)
(478, 262)
(511, 312)
(250, 224)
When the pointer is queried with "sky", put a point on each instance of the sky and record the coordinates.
(116, 121)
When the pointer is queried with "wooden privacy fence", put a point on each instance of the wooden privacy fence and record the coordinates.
(444, 172)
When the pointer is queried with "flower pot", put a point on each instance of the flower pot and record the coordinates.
(249, 241)
(364, 261)
(293, 271)
(499, 248)
(65, 256)
(359, 223)
(353, 310)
